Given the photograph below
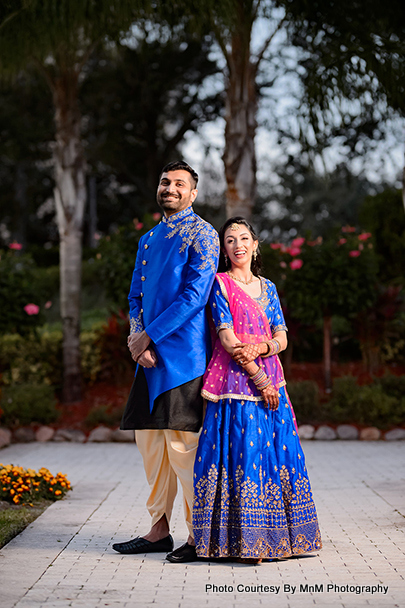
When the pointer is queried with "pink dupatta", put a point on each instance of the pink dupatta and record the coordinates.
(224, 378)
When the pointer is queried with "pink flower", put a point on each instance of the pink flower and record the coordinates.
(361, 246)
(138, 226)
(348, 229)
(284, 249)
(15, 245)
(283, 265)
(342, 241)
(48, 304)
(31, 309)
(296, 264)
(364, 236)
(298, 242)
(275, 245)
(294, 251)
(156, 216)
(317, 241)
(354, 254)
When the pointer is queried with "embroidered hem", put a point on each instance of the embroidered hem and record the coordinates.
(240, 396)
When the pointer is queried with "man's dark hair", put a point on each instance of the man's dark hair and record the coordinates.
(180, 165)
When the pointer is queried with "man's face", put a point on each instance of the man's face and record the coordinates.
(175, 191)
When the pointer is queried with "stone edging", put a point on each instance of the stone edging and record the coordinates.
(102, 434)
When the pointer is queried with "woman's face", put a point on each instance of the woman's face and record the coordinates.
(239, 245)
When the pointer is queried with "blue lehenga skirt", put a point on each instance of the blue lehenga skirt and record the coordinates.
(252, 496)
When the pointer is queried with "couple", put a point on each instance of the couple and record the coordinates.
(246, 491)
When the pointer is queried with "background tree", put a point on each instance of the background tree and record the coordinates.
(140, 101)
(332, 277)
(58, 38)
(354, 53)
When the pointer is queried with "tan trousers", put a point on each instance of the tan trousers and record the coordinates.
(168, 455)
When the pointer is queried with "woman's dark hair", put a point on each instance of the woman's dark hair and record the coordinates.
(256, 264)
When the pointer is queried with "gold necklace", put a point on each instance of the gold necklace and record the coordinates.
(241, 280)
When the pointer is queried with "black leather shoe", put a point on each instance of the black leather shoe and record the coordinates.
(141, 545)
(182, 555)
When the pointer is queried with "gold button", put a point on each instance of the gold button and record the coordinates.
(141, 310)
(143, 278)
(146, 246)
(141, 295)
(151, 233)
(144, 262)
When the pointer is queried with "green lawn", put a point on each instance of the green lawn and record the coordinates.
(14, 518)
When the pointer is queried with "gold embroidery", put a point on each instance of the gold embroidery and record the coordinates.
(199, 234)
(222, 325)
(136, 324)
(223, 288)
(237, 516)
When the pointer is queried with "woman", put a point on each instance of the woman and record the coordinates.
(252, 494)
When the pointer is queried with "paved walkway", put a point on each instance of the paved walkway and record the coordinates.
(65, 558)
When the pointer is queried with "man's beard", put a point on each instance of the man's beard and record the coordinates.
(161, 201)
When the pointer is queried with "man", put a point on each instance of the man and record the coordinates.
(174, 271)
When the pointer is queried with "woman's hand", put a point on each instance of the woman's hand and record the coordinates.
(270, 397)
(246, 353)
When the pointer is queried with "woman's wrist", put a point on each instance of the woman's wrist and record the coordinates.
(274, 347)
(260, 379)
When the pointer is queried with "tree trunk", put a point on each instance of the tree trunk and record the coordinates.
(403, 185)
(327, 347)
(70, 199)
(240, 117)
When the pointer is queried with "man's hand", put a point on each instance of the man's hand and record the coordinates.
(148, 358)
(138, 343)
(246, 353)
(270, 396)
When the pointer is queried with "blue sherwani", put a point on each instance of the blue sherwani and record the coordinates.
(174, 271)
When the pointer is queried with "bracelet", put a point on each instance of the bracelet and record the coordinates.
(273, 347)
(260, 379)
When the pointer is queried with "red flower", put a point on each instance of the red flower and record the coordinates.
(138, 226)
(275, 245)
(15, 245)
(348, 229)
(298, 242)
(31, 309)
(296, 264)
(364, 236)
(355, 253)
(156, 216)
(294, 251)
(48, 304)
(342, 241)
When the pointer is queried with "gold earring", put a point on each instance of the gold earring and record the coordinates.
(226, 259)
(255, 254)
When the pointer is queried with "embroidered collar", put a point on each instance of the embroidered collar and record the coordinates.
(172, 219)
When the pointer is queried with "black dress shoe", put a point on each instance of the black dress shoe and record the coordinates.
(182, 555)
(141, 545)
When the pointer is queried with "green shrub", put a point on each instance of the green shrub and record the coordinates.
(379, 404)
(34, 359)
(37, 358)
(305, 401)
(104, 414)
(25, 403)
(17, 289)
